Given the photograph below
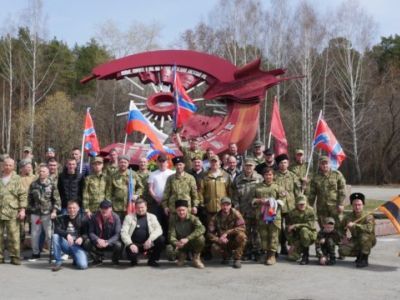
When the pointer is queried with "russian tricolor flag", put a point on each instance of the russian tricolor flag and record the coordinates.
(138, 122)
(184, 105)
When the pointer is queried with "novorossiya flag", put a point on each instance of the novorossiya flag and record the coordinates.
(91, 144)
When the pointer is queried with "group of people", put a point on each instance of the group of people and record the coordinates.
(234, 207)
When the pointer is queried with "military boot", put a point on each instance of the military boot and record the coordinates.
(16, 261)
(363, 262)
(197, 261)
(304, 258)
(180, 262)
(332, 260)
(270, 260)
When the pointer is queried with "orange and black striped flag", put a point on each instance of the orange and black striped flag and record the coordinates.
(392, 210)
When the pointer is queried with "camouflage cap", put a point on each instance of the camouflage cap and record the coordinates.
(214, 157)
(27, 149)
(226, 200)
(97, 159)
(24, 162)
(329, 220)
(299, 151)
(301, 199)
(257, 144)
(124, 157)
(324, 158)
(249, 161)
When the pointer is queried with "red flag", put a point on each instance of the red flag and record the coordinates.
(91, 144)
(325, 139)
(277, 130)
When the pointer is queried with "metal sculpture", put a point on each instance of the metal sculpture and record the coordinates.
(230, 97)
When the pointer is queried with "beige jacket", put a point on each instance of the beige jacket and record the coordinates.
(129, 225)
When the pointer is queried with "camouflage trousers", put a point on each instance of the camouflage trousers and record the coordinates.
(298, 240)
(269, 234)
(360, 245)
(235, 246)
(13, 236)
(253, 236)
(194, 246)
(327, 248)
(329, 211)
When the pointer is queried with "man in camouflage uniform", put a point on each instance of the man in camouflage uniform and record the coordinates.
(242, 195)
(301, 230)
(328, 189)
(186, 234)
(300, 169)
(180, 186)
(258, 154)
(189, 153)
(291, 187)
(362, 229)
(13, 201)
(267, 209)
(27, 177)
(226, 231)
(112, 165)
(53, 166)
(118, 184)
(95, 188)
(43, 204)
(143, 174)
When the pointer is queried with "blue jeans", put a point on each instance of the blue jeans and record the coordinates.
(60, 245)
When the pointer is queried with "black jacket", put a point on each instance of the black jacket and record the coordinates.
(61, 225)
(70, 187)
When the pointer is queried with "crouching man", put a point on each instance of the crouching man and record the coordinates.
(186, 234)
(362, 229)
(142, 233)
(227, 232)
(69, 237)
(104, 233)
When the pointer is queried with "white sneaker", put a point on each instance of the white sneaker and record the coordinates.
(64, 257)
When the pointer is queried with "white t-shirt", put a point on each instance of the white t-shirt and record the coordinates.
(158, 179)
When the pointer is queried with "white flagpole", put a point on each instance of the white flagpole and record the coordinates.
(126, 137)
(269, 139)
(83, 144)
(312, 146)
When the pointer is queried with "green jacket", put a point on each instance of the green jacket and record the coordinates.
(117, 189)
(212, 189)
(190, 228)
(264, 190)
(327, 190)
(302, 219)
(291, 185)
(94, 191)
(366, 226)
(180, 187)
(13, 197)
(243, 191)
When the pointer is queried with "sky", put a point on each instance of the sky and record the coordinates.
(75, 21)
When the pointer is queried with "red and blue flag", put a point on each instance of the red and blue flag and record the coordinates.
(184, 105)
(91, 144)
(325, 139)
(138, 122)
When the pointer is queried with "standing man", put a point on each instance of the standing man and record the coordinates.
(227, 232)
(186, 234)
(13, 202)
(143, 174)
(118, 184)
(141, 232)
(77, 155)
(53, 166)
(69, 237)
(43, 204)
(243, 189)
(233, 151)
(299, 168)
(95, 187)
(291, 188)
(198, 172)
(328, 189)
(258, 154)
(104, 234)
(70, 185)
(233, 169)
(50, 153)
(28, 156)
(156, 183)
(112, 165)
(269, 161)
(362, 229)
(180, 186)
(189, 153)
(301, 230)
